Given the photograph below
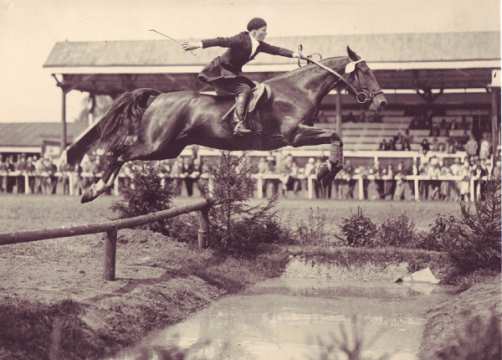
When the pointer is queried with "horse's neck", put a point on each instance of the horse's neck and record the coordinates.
(315, 81)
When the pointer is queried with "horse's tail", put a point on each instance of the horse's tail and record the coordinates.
(123, 118)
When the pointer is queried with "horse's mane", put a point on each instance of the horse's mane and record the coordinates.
(307, 68)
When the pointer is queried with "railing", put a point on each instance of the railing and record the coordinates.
(111, 227)
(260, 180)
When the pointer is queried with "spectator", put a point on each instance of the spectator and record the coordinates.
(64, 170)
(433, 173)
(177, 175)
(451, 147)
(471, 147)
(186, 171)
(444, 128)
(391, 144)
(434, 145)
(426, 146)
(325, 178)
(406, 140)
(350, 117)
(464, 182)
(402, 189)
(435, 130)
(3, 175)
(383, 145)
(484, 148)
(444, 185)
(456, 170)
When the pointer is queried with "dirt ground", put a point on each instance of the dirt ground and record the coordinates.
(58, 306)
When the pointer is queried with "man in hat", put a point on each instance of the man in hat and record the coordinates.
(224, 72)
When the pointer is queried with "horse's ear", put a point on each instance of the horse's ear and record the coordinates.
(352, 55)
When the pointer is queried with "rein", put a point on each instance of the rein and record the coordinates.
(361, 96)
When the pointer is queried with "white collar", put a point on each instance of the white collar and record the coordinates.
(254, 44)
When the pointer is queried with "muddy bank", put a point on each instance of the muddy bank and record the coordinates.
(450, 319)
(57, 305)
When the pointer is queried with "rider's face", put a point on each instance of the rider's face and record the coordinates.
(260, 34)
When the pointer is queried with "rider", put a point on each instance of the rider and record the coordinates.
(224, 72)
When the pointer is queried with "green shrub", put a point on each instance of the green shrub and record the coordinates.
(473, 241)
(235, 225)
(145, 195)
(399, 232)
(438, 234)
(359, 230)
(312, 231)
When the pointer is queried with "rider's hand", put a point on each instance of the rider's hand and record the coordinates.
(187, 46)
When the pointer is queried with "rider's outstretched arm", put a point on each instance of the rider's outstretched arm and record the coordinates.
(226, 42)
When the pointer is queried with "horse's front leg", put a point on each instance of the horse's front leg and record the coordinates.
(306, 135)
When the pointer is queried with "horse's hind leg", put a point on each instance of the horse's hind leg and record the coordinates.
(112, 168)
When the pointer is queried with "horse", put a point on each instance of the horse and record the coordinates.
(145, 124)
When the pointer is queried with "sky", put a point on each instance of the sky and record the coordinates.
(29, 29)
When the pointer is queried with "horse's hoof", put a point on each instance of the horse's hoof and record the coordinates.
(86, 198)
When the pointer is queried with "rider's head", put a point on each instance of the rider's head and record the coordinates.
(257, 27)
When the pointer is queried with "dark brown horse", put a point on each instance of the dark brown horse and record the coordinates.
(147, 125)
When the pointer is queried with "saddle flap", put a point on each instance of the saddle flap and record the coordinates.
(258, 92)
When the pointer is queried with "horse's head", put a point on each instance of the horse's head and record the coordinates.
(362, 82)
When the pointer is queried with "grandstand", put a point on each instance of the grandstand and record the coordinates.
(461, 66)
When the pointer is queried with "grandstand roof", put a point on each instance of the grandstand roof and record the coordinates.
(380, 48)
(33, 134)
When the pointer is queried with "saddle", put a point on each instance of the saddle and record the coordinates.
(261, 94)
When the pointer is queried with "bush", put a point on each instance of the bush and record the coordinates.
(145, 195)
(399, 232)
(235, 225)
(473, 241)
(359, 230)
(438, 234)
(313, 230)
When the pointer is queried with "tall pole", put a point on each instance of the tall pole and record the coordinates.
(63, 119)
(495, 95)
(338, 119)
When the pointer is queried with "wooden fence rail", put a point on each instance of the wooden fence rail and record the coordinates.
(111, 227)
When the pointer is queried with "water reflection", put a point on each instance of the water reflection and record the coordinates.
(284, 318)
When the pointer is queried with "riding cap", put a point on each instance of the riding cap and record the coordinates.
(256, 23)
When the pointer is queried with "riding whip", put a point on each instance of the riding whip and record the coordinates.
(170, 38)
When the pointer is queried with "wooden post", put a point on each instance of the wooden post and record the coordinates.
(63, 119)
(494, 116)
(417, 188)
(202, 236)
(110, 254)
(310, 186)
(259, 186)
(360, 182)
(338, 102)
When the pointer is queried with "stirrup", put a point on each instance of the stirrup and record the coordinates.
(239, 129)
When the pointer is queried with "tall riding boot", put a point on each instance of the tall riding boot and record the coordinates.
(240, 113)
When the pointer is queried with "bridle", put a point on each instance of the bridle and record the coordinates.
(362, 96)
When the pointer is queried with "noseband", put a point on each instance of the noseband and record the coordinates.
(362, 96)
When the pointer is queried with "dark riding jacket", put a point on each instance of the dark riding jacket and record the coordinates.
(230, 63)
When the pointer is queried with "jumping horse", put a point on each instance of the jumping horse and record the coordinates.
(145, 124)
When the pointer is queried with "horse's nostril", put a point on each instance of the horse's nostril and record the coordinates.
(383, 104)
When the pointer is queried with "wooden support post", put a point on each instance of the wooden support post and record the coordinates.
(27, 189)
(110, 254)
(259, 186)
(338, 102)
(417, 189)
(472, 189)
(203, 234)
(494, 118)
(360, 181)
(310, 186)
(63, 119)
